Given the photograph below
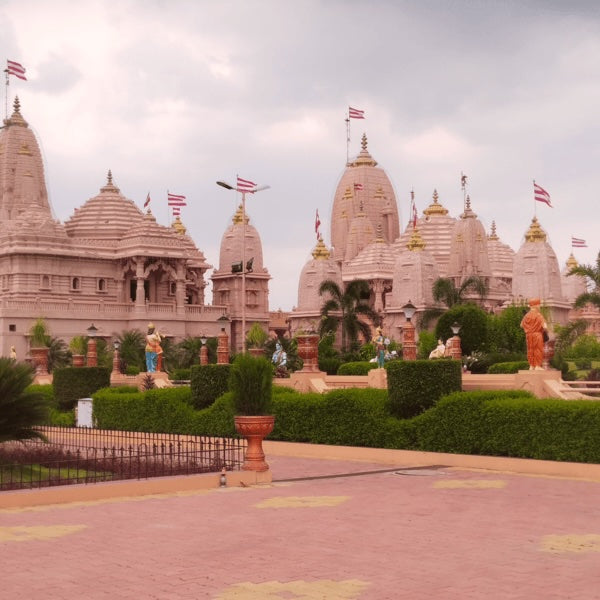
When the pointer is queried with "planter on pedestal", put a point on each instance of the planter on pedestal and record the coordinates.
(256, 352)
(40, 360)
(308, 351)
(251, 381)
(78, 360)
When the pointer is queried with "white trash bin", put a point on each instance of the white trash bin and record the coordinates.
(85, 412)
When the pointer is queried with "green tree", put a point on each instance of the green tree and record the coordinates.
(473, 327)
(20, 410)
(592, 275)
(504, 330)
(132, 351)
(445, 290)
(58, 354)
(346, 308)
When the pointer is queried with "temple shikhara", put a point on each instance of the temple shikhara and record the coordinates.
(113, 265)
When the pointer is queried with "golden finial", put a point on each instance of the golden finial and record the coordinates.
(416, 242)
(320, 251)
(17, 105)
(363, 142)
(493, 235)
(535, 232)
(434, 208)
(237, 218)
(572, 262)
(110, 186)
(178, 226)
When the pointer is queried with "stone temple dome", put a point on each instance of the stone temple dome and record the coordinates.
(232, 244)
(319, 268)
(435, 227)
(415, 272)
(572, 285)
(468, 247)
(375, 261)
(501, 258)
(363, 187)
(107, 216)
(536, 273)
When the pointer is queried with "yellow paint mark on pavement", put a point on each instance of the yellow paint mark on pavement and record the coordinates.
(295, 590)
(38, 532)
(481, 484)
(302, 501)
(559, 544)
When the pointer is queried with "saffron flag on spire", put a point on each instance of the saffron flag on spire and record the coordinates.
(147, 202)
(317, 224)
(358, 187)
(541, 195)
(245, 185)
(176, 199)
(355, 113)
(578, 243)
(16, 69)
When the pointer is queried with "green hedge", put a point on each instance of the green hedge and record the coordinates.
(508, 367)
(180, 374)
(47, 391)
(72, 383)
(416, 385)
(357, 368)
(511, 423)
(207, 383)
(330, 364)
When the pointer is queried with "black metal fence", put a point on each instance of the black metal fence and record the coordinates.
(82, 455)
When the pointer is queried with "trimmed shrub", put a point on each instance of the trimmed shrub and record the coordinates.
(356, 368)
(46, 391)
(207, 383)
(508, 367)
(132, 370)
(330, 364)
(59, 418)
(416, 385)
(72, 383)
(180, 375)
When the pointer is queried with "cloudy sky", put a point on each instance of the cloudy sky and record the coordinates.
(174, 95)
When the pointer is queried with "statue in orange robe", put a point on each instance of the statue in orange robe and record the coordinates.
(534, 325)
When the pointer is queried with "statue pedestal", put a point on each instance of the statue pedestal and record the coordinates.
(533, 381)
(377, 378)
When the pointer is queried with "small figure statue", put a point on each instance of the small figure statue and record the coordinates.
(379, 342)
(534, 325)
(13, 353)
(153, 348)
(439, 351)
(279, 359)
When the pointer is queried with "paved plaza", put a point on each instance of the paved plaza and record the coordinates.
(324, 529)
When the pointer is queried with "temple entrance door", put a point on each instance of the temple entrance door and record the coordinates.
(133, 290)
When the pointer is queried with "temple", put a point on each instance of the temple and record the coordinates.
(113, 265)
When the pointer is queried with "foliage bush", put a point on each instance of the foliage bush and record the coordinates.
(46, 391)
(427, 343)
(132, 370)
(504, 333)
(356, 368)
(180, 374)
(251, 381)
(207, 383)
(416, 385)
(486, 360)
(330, 364)
(585, 346)
(473, 323)
(72, 383)
(508, 367)
(583, 363)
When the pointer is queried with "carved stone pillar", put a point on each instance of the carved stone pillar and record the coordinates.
(223, 348)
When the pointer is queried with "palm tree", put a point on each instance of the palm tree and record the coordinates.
(350, 305)
(20, 410)
(593, 275)
(133, 343)
(445, 290)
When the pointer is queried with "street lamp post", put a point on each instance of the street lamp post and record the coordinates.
(409, 346)
(455, 349)
(116, 366)
(92, 356)
(243, 191)
(203, 351)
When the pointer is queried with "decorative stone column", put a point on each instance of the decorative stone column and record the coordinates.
(223, 348)
(92, 356)
(455, 348)
(409, 346)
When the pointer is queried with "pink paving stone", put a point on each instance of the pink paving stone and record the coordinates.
(399, 534)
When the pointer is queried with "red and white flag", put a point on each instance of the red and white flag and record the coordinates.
(358, 187)
(317, 224)
(245, 185)
(176, 211)
(578, 243)
(16, 69)
(414, 215)
(176, 200)
(355, 113)
(541, 195)
(147, 202)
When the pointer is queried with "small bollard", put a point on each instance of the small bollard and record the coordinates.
(223, 478)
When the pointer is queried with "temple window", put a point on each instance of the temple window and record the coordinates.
(172, 288)
(75, 283)
(101, 285)
(45, 282)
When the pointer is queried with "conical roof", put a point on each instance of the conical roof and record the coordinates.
(501, 259)
(375, 261)
(319, 268)
(363, 187)
(572, 285)
(107, 216)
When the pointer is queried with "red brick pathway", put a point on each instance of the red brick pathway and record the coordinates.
(426, 534)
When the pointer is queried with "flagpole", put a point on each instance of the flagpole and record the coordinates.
(347, 139)
(6, 95)
(534, 202)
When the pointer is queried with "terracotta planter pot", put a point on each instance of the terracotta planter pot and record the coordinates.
(256, 352)
(308, 351)
(40, 360)
(78, 360)
(254, 429)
